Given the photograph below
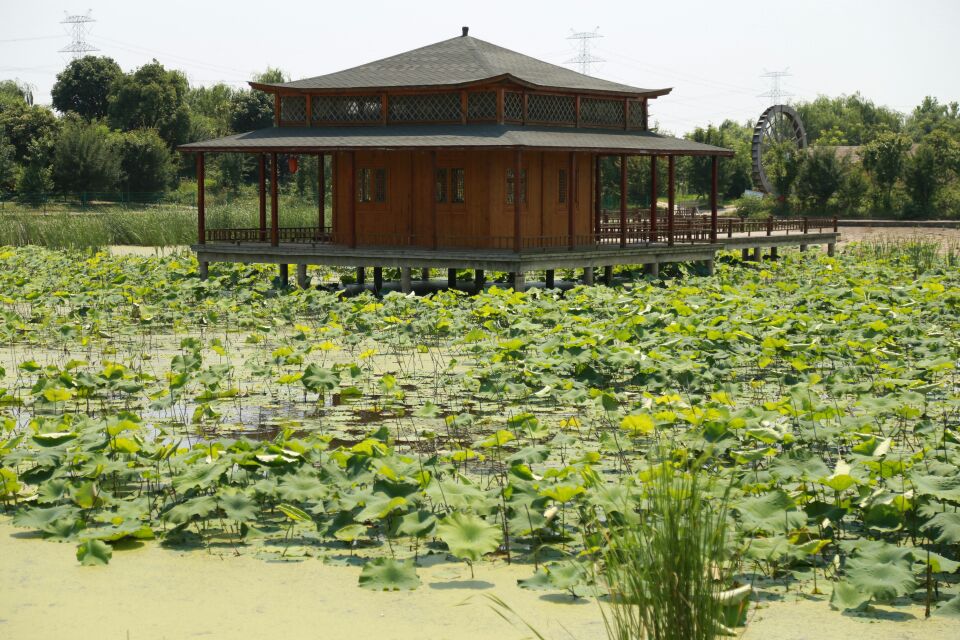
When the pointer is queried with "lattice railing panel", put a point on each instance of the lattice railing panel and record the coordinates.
(638, 115)
(346, 108)
(428, 107)
(512, 106)
(482, 105)
(600, 112)
(545, 107)
(293, 108)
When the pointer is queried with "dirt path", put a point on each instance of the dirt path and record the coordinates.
(867, 234)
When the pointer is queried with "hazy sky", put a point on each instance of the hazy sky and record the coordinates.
(711, 52)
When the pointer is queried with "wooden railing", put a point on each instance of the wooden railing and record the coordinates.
(687, 228)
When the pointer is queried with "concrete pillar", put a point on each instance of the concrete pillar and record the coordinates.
(549, 280)
(803, 247)
(653, 269)
(773, 253)
(284, 276)
(745, 254)
(588, 275)
(302, 280)
(608, 275)
(377, 279)
(425, 274)
(757, 254)
(831, 249)
(479, 279)
(405, 277)
(451, 278)
(519, 284)
(711, 269)
(204, 270)
(361, 276)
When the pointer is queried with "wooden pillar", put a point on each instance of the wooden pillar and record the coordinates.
(274, 204)
(425, 274)
(597, 195)
(406, 284)
(608, 275)
(263, 197)
(201, 204)
(353, 199)
(670, 199)
(744, 254)
(517, 203)
(284, 275)
(479, 279)
(713, 198)
(653, 198)
(571, 208)
(361, 276)
(377, 279)
(321, 193)
(433, 198)
(302, 280)
(549, 280)
(773, 253)
(757, 254)
(623, 200)
(451, 278)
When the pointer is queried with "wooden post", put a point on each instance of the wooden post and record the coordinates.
(353, 199)
(479, 279)
(451, 278)
(284, 275)
(550, 281)
(670, 198)
(263, 197)
(425, 274)
(653, 198)
(377, 279)
(274, 204)
(608, 275)
(433, 199)
(770, 225)
(361, 276)
(517, 203)
(623, 200)
(597, 196)
(201, 205)
(713, 198)
(571, 208)
(321, 192)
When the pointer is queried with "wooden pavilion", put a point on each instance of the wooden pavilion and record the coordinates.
(463, 154)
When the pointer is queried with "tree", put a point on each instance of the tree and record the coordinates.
(213, 104)
(151, 98)
(34, 180)
(820, 176)
(83, 87)
(883, 159)
(13, 93)
(146, 162)
(930, 115)
(934, 165)
(852, 119)
(733, 174)
(23, 125)
(853, 188)
(250, 110)
(86, 157)
(8, 167)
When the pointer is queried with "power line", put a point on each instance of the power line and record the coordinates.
(78, 27)
(584, 58)
(776, 92)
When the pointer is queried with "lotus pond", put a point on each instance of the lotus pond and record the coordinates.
(138, 402)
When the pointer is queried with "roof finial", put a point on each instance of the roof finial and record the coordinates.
(466, 30)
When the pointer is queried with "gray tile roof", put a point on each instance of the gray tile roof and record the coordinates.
(458, 61)
(477, 136)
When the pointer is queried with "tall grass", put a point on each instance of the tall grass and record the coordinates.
(150, 226)
(665, 574)
(922, 254)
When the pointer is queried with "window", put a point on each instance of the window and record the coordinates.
(523, 186)
(458, 186)
(451, 186)
(562, 186)
(371, 185)
(441, 188)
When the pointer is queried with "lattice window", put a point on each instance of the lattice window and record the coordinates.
(562, 186)
(595, 111)
(512, 106)
(543, 107)
(346, 108)
(441, 187)
(429, 107)
(523, 186)
(363, 185)
(482, 105)
(293, 108)
(638, 115)
(380, 185)
(458, 186)
(371, 185)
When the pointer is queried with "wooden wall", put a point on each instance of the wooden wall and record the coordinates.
(486, 219)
